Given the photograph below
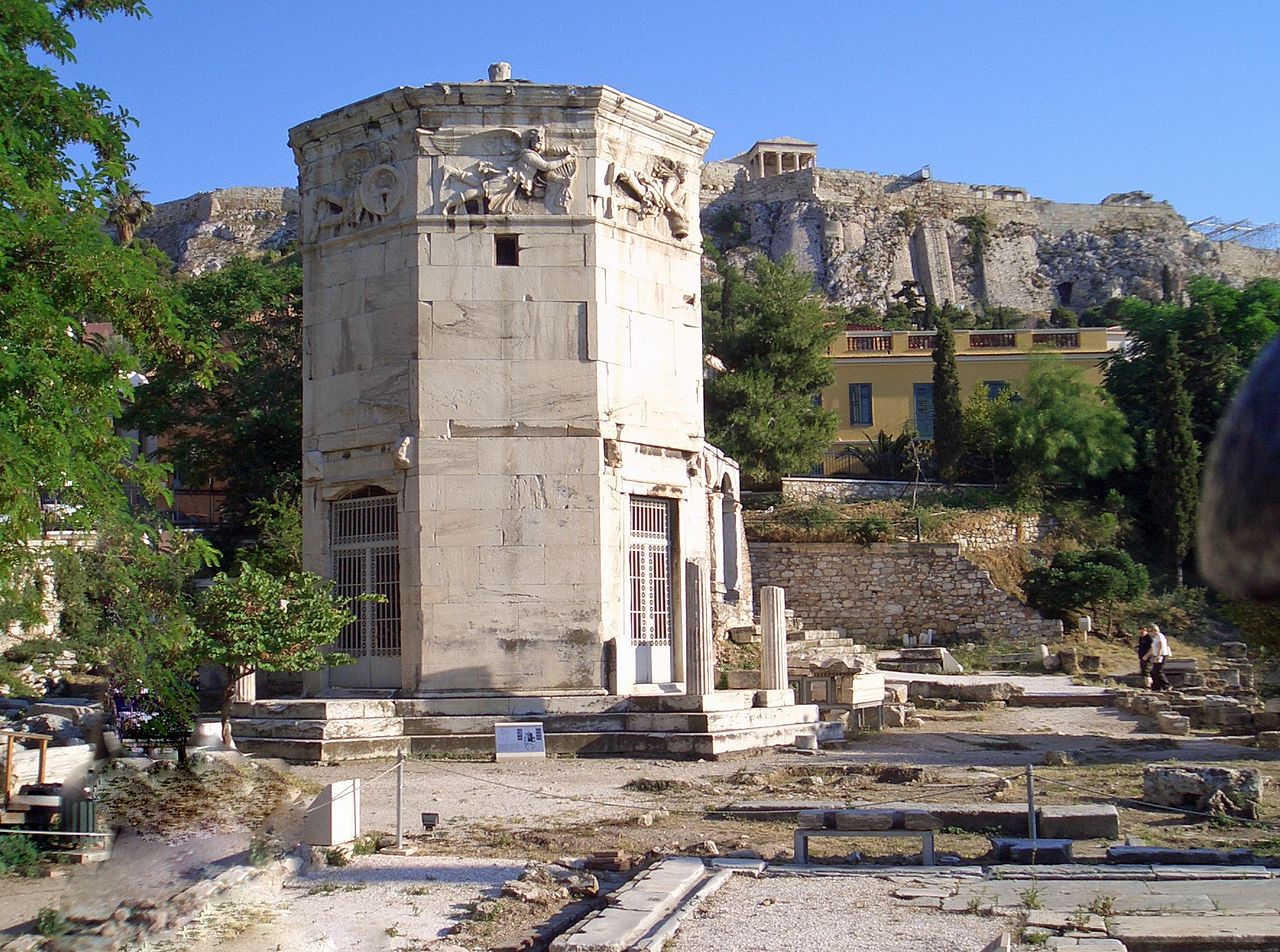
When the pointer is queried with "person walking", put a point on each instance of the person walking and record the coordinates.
(1144, 663)
(1158, 654)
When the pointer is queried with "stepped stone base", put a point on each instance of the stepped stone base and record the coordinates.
(708, 726)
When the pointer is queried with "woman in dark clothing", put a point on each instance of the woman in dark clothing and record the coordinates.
(1144, 648)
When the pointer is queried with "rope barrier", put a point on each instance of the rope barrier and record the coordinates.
(350, 791)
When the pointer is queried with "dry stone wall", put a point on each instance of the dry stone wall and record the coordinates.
(880, 592)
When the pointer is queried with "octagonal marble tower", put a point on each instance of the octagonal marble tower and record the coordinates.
(503, 388)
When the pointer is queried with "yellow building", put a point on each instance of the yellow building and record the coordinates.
(884, 379)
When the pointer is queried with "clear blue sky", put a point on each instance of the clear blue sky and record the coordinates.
(1072, 99)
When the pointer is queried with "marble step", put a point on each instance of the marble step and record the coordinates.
(267, 728)
(675, 745)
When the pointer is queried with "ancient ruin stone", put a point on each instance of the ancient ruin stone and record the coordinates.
(1191, 787)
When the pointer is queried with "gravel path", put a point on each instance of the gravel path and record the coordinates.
(826, 914)
(517, 793)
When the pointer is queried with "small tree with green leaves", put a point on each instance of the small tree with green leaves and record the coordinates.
(1098, 579)
(126, 610)
(1175, 463)
(988, 428)
(256, 621)
(1065, 430)
(772, 334)
(948, 416)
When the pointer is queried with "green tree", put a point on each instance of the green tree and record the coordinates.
(251, 313)
(1222, 330)
(60, 389)
(1063, 317)
(772, 334)
(1065, 430)
(1213, 371)
(1175, 463)
(126, 610)
(948, 416)
(1098, 579)
(277, 524)
(988, 431)
(256, 621)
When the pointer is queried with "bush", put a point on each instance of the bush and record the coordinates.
(50, 922)
(1097, 579)
(812, 516)
(868, 530)
(19, 855)
(1063, 317)
(25, 652)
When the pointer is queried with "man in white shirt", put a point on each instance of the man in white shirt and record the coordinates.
(1158, 654)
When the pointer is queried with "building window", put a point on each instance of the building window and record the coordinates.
(364, 558)
(923, 393)
(860, 404)
(995, 388)
(506, 250)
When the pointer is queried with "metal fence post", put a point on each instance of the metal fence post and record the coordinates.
(400, 799)
(1031, 805)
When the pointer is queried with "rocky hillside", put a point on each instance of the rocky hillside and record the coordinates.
(863, 235)
(205, 231)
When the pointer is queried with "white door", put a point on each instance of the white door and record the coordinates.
(649, 577)
(364, 557)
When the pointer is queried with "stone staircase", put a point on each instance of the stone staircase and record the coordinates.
(313, 730)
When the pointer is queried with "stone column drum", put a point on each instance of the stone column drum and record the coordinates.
(773, 639)
(700, 651)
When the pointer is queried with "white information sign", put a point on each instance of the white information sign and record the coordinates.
(514, 740)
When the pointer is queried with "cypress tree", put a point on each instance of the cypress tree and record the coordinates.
(1213, 369)
(1175, 462)
(948, 415)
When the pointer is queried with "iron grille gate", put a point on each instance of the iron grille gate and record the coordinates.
(650, 572)
(364, 553)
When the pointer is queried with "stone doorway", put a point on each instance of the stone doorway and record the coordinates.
(364, 558)
(649, 610)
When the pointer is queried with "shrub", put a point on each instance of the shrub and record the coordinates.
(813, 516)
(868, 530)
(19, 856)
(1097, 579)
(50, 922)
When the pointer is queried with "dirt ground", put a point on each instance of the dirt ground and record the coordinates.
(497, 817)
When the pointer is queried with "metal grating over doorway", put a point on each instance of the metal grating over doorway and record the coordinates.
(649, 571)
(364, 553)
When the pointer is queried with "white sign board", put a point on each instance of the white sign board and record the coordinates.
(514, 740)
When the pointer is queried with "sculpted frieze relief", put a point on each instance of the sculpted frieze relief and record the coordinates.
(657, 191)
(500, 172)
(368, 191)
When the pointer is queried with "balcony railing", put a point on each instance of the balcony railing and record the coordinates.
(1058, 340)
(982, 340)
(864, 343)
(873, 343)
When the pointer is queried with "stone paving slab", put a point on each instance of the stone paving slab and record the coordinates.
(1132, 871)
(635, 908)
(1176, 933)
